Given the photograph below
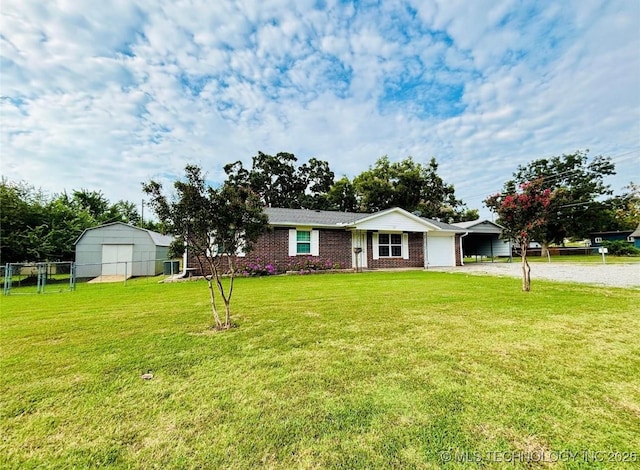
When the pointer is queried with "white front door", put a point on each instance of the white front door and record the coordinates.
(117, 260)
(441, 251)
(359, 249)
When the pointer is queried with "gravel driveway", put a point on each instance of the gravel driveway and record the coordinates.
(615, 275)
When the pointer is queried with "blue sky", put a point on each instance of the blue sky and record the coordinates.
(105, 95)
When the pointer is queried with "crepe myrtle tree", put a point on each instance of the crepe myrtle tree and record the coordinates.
(524, 213)
(214, 225)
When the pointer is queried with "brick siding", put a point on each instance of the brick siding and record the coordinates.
(458, 248)
(272, 247)
(335, 245)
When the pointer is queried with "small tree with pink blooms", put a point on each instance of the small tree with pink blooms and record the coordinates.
(524, 212)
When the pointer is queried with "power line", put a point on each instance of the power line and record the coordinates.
(615, 159)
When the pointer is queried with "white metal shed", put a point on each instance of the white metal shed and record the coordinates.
(120, 249)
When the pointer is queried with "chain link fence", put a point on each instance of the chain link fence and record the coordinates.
(55, 277)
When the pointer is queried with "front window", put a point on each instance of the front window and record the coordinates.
(303, 242)
(598, 240)
(390, 245)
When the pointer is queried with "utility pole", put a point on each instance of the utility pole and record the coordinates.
(142, 214)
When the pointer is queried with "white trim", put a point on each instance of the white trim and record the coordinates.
(315, 243)
(293, 242)
(374, 242)
(405, 246)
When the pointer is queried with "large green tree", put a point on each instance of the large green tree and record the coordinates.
(412, 186)
(342, 196)
(214, 224)
(578, 184)
(622, 212)
(21, 213)
(37, 227)
(279, 182)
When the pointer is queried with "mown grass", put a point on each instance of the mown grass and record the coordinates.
(372, 370)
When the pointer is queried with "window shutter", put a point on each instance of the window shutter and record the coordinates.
(405, 246)
(315, 243)
(293, 242)
(376, 251)
(240, 252)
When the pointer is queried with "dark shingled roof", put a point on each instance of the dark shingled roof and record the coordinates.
(278, 216)
(317, 218)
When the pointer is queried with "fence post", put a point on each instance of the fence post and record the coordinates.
(125, 272)
(72, 277)
(39, 280)
(7, 279)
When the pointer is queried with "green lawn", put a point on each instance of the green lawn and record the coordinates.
(372, 370)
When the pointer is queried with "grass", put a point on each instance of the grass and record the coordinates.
(374, 370)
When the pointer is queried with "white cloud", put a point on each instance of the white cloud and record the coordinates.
(106, 95)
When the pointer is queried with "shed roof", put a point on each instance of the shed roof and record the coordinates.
(157, 238)
(636, 233)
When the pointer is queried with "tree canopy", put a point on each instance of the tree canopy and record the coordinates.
(278, 182)
(37, 227)
(577, 183)
(406, 184)
(411, 186)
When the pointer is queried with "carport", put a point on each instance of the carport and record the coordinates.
(483, 240)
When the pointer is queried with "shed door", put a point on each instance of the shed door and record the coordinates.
(440, 251)
(116, 259)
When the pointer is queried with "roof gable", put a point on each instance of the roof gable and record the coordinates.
(157, 238)
(480, 226)
(395, 219)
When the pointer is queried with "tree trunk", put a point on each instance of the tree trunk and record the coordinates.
(226, 298)
(544, 249)
(216, 317)
(526, 272)
(214, 275)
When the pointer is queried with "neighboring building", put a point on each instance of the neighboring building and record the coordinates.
(393, 238)
(483, 239)
(120, 249)
(598, 237)
(635, 237)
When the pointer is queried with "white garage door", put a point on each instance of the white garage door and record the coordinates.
(117, 259)
(440, 251)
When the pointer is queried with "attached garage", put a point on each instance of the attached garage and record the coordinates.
(119, 249)
(441, 250)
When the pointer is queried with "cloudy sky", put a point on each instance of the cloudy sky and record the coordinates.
(105, 95)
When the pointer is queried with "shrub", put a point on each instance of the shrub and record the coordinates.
(308, 264)
(620, 248)
(259, 267)
(300, 264)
